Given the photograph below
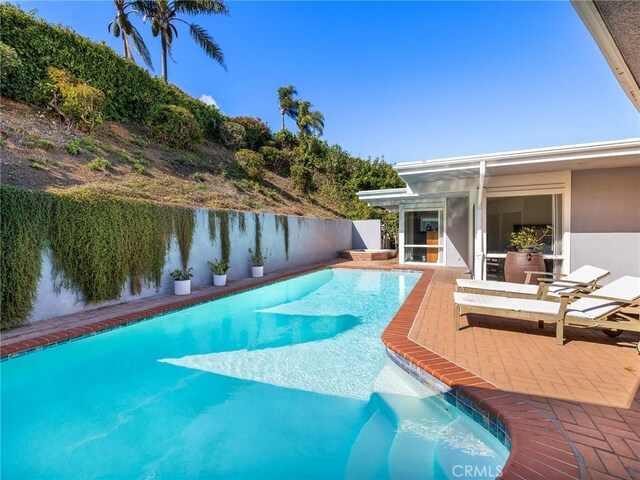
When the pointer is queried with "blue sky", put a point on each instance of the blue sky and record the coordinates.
(410, 81)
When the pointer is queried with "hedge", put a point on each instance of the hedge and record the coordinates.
(131, 92)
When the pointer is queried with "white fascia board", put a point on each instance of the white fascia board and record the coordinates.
(592, 19)
(522, 157)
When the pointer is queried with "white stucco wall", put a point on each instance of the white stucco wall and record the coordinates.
(366, 234)
(310, 240)
(605, 220)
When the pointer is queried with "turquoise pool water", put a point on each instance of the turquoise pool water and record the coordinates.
(286, 381)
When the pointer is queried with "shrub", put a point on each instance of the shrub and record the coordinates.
(79, 104)
(285, 140)
(302, 177)
(46, 144)
(251, 162)
(99, 164)
(139, 141)
(257, 133)
(39, 163)
(233, 135)
(131, 91)
(199, 177)
(174, 126)
(123, 157)
(89, 145)
(9, 63)
(139, 167)
(73, 146)
(278, 161)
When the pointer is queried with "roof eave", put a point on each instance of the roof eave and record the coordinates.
(592, 19)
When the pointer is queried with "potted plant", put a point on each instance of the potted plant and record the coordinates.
(257, 263)
(219, 270)
(182, 281)
(526, 257)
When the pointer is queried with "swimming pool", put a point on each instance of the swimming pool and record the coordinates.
(286, 381)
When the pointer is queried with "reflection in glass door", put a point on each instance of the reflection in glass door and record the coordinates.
(423, 236)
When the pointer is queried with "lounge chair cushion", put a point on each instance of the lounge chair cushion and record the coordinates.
(625, 288)
(584, 274)
(505, 303)
(494, 286)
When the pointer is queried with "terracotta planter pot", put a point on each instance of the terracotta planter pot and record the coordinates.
(517, 263)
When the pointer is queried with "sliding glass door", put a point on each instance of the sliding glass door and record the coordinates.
(423, 236)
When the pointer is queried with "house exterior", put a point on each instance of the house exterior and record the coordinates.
(459, 211)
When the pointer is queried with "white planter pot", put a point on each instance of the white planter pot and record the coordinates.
(219, 280)
(257, 272)
(182, 287)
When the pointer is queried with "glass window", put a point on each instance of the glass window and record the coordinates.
(423, 236)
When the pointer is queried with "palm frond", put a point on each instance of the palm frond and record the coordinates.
(141, 47)
(206, 42)
(194, 7)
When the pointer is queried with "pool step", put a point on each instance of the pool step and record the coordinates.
(459, 453)
(368, 457)
(409, 454)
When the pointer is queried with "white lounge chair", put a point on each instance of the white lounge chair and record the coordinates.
(583, 279)
(600, 309)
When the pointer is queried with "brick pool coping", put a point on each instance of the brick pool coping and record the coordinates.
(539, 450)
(10, 348)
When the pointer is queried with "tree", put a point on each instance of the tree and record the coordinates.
(163, 15)
(123, 28)
(309, 121)
(288, 106)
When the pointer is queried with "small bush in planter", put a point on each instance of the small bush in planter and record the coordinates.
(528, 239)
(257, 259)
(219, 269)
(182, 283)
(180, 275)
(526, 258)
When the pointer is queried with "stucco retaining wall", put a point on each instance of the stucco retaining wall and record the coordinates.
(310, 240)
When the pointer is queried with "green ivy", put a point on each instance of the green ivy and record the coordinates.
(24, 219)
(219, 220)
(131, 92)
(282, 221)
(97, 243)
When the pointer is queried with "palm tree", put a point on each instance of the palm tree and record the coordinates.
(164, 16)
(288, 106)
(123, 28)
(309, 121)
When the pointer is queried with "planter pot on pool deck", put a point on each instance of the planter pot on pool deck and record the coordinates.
(518, 263)
(219, 280)
(257, 272)
(182, 287)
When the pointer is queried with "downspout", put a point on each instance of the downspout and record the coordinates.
(478, 266)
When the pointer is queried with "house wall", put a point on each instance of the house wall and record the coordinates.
(457, 232)
(605, 220)
(310, 240)
(366, 234)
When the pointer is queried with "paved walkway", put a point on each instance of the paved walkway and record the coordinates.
(589, 385)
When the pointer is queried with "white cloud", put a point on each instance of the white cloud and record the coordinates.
(208, 99)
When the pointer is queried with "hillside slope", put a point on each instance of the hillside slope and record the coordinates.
(35, 154)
